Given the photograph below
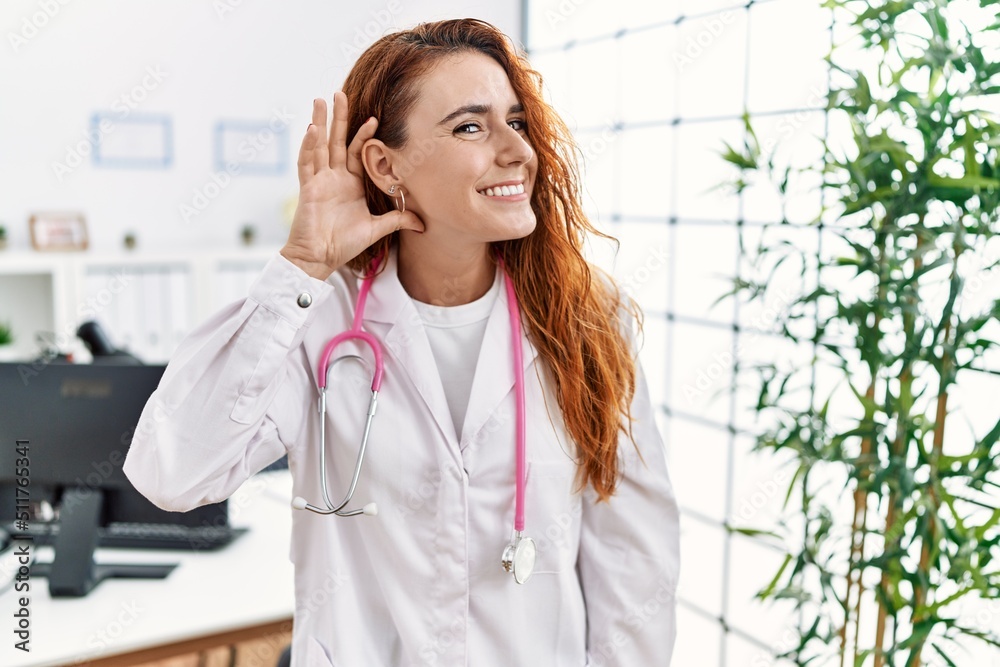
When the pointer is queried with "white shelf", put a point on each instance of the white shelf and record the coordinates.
(147, 301)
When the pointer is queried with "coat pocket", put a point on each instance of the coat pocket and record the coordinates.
(552, 514)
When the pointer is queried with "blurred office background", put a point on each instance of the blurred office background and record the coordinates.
(652, 91)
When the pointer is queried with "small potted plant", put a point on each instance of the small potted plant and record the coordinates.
(248, 233)
(6, 342)
(3, 237)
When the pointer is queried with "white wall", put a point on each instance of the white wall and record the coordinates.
(65, 61)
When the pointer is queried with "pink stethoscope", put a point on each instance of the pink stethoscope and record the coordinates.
(519, 554)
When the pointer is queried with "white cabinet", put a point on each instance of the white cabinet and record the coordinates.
(146, 302)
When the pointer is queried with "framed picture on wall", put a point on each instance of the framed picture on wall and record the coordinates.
(58, 231)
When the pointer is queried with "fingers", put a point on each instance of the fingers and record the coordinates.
(305, 161)
(389, 222)
(365, 132)
(338, 135)
(320, 155)
(319, 152)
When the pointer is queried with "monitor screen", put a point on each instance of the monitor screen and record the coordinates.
(78, 421)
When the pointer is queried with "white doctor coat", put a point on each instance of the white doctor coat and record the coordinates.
(421, 583)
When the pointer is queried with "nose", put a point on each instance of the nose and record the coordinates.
(513, 147)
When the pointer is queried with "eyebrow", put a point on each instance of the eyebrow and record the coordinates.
(479, 109)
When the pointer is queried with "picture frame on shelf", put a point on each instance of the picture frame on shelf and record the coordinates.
(58, 231)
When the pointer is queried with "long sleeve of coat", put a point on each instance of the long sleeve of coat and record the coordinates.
(226, 406)
(629, 553)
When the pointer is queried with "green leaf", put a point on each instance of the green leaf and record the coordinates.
(754, 532)
(768, 590)
(741, 160)
(990, 438)
(944, 656)
(964, 183)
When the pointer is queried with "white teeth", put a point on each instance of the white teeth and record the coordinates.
(504, 190)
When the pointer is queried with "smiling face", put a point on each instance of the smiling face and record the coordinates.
(466, 168)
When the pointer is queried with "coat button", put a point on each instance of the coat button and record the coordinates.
(305, 300)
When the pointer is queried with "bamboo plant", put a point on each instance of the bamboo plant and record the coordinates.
(881, 562)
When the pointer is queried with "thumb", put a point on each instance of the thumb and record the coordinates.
(395, 220)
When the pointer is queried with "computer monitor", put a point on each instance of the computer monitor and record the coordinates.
(69, 426)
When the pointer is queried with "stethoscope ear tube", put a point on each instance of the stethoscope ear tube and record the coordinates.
(325, 366)
(371, 509)
(299, 503)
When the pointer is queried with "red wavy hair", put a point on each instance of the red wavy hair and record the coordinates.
(574, 321)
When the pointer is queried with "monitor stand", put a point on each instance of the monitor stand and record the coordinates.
(73, 572)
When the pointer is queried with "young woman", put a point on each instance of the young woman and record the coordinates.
(445, 175)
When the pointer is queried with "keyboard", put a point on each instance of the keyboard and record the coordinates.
(141, 535)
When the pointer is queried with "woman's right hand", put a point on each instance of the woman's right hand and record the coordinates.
(332, 223)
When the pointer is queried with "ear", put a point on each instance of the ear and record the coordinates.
(378, 161)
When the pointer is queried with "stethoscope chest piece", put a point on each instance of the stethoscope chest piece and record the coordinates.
(519, 558)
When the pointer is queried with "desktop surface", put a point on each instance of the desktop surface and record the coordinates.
(248, 583)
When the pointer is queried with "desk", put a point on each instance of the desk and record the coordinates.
(242, 591)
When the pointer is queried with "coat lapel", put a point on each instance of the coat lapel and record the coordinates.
(405, 339)
(494, 378)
